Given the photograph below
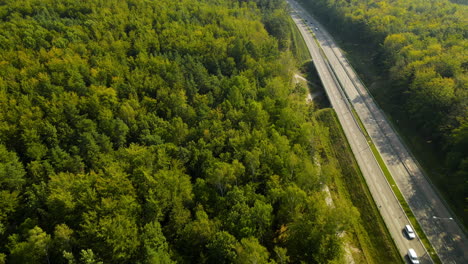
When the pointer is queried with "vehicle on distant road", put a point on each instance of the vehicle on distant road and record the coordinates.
(410, 232)
(412, 256)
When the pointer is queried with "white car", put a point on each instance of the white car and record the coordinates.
(410, 232)
(412, 256)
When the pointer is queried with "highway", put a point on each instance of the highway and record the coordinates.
(389, 206)
(341, 82)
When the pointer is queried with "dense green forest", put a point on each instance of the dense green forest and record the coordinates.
(157, 132)
(421, 47)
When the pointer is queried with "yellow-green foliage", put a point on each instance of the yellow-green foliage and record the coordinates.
(155, 132)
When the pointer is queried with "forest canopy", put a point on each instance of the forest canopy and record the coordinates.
(158, 132)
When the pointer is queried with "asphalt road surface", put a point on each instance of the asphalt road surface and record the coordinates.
(443, 232)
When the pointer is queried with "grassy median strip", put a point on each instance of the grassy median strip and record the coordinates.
(370, 229)
(398, 193)
(299, 47)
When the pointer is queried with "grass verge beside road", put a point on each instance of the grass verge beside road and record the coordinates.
(370, 230)
(298, 45)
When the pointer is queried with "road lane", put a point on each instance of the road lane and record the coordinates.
(391, 210)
